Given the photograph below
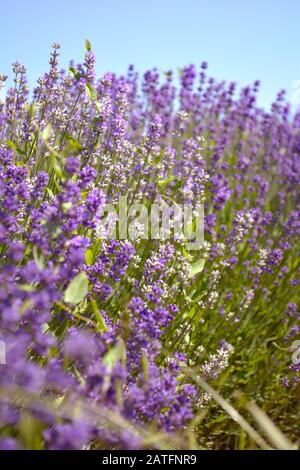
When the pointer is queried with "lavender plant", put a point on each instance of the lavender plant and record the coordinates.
(105, 337)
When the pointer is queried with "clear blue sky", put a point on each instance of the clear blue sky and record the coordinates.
(241, 40)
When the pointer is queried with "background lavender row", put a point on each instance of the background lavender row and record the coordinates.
(106, 339)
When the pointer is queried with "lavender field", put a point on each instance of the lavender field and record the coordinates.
(112, 338)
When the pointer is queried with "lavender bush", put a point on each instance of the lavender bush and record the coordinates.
(106, 343)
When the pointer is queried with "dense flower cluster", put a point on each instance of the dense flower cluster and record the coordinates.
(99, 332)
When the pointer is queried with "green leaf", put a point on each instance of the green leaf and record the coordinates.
(145, 365)
(27, 288)
(66, 206)
(88, 45)
(89, 257)
(38, 258)
(115, 354)
(50, 193)
(31, 431)
(158, 158)
(111, 358)
(197, 268)
(101, 325)
(74, 72)
(91, 91)
(77, 289)
(167, 181)
(13, 146)
(73, 142)
(46, 132)
(57, 169)
(177, 185)
(98, 106)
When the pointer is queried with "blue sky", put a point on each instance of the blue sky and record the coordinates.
(241, 40)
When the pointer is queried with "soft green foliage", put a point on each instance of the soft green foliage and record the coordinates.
(77, 289)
